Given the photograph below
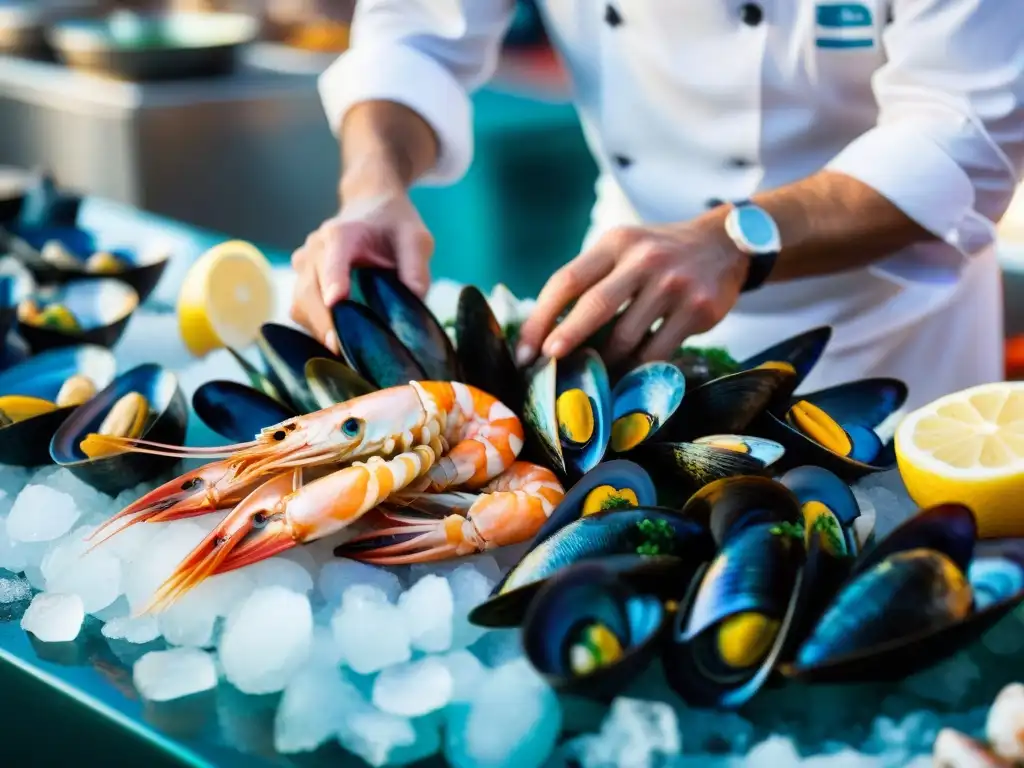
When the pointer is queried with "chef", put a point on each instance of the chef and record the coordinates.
(766, 167)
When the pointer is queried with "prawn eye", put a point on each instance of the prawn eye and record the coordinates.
(350, 427)
(192, 485)
(259, 520)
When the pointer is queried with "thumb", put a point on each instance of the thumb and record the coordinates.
(414, 246)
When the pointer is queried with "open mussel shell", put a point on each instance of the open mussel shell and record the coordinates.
(100, 310)
(801, 352)
(166, 422)
(257, 379)
(483, 352)
(835, 428)
(236, 412)
(617, 484)
(539, 411)
(285, 352)
(589, 633)
(583, 409)
(27, 443)
(732, 629)
(685, 468)
(411, 321)
(642, 532)
(642, 401)
(331, 382)
(372, 349)
(81, 257)
(16, 285)
(729, 505)
(727, 405)
(913, 602)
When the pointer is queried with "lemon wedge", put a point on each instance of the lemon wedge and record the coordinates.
(968, 448)
(225, 298)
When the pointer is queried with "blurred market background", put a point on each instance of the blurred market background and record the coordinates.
(214, 120)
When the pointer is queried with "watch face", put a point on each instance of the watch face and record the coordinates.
(757, 228)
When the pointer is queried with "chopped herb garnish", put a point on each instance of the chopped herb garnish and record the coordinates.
(792, 530)
(657, 537)
(616, 502)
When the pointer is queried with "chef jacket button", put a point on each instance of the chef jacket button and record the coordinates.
(739, 162)
(622, 161)
(713, 202)
(611, 16)
(751, 14)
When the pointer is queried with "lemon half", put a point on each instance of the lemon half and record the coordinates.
(225, 298)
(968, 448)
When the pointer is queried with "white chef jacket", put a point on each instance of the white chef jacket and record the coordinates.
(687, 103)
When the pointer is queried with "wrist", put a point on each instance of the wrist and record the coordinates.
(371, 176)
(735, 263)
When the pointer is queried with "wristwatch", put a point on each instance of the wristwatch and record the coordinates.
(756, 234)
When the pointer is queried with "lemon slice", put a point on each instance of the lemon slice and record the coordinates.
(225, 298)
(968, 447)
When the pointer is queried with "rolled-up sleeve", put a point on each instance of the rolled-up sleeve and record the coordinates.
(948, 148)
(428, 55)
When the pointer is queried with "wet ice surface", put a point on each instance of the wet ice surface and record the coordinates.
(305, 652)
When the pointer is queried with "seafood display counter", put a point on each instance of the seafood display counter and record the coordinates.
(785, 599)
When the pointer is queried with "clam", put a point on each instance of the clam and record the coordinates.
(235, 411)
(838, 428)
(285, 352)
(331, 381)
(80, 312)
(58, 255)
(640, 533)
(589, 632)
(26, 441)
(568, 409)
(642, 401)
(145, 402)
(483, 352)
(16, 285)
(372, 349)
(410, 321)
(733, 627)
(918, 596)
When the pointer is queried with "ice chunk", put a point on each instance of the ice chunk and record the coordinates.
(12, 555)
(324, 650)
(281, 572)
(152, 564)
(376, 736)
(414, 689)
(14, 589)
(775, 750)
(427, 608)
(54, 618)
(94, 576)
(339, 575)
(888, 496)
(312, 709)
(174, 674)
(41, 513)
(499, 646)
(88, 500)
(191, 620)
(513, 720)
(370, 631)
(470, 586)
(467, 674)
(266, 640)
(635, 734)
(12, 481)
(138, 630)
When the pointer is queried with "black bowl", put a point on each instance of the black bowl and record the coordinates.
(102, 307)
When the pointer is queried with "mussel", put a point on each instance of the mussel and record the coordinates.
(44, 204)
(640, 532)
(285, 352)
(589, 632)
(412, 323)
(331, 382)
(259, 380)
(80, 312)
(16, 285)
(733, 626)
(835, 428)
(568, 409)
(642, 401)
(145, 402)
(41, 384)
(235, 411)
(919, 595)
(58, 255)
(483, 351)
(370, 347)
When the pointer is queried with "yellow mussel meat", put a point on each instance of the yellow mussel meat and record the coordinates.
(819, 521)
(55, 316)
(630, 430)
(76, 390)
(595, 646)
(15, 408)
(575, 414)
(104, 263)
(605, 497)
(127, 418)
(55, 254)
(744, 639)
(820, 427)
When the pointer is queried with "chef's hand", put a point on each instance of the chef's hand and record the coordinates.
(686, 275)
(381, 229)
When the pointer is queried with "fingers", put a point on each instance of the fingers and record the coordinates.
(308, 308)
(696, 315)
(565, 285)
(414, 246)
(333, 262)
(652, 304)
(595, 308)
